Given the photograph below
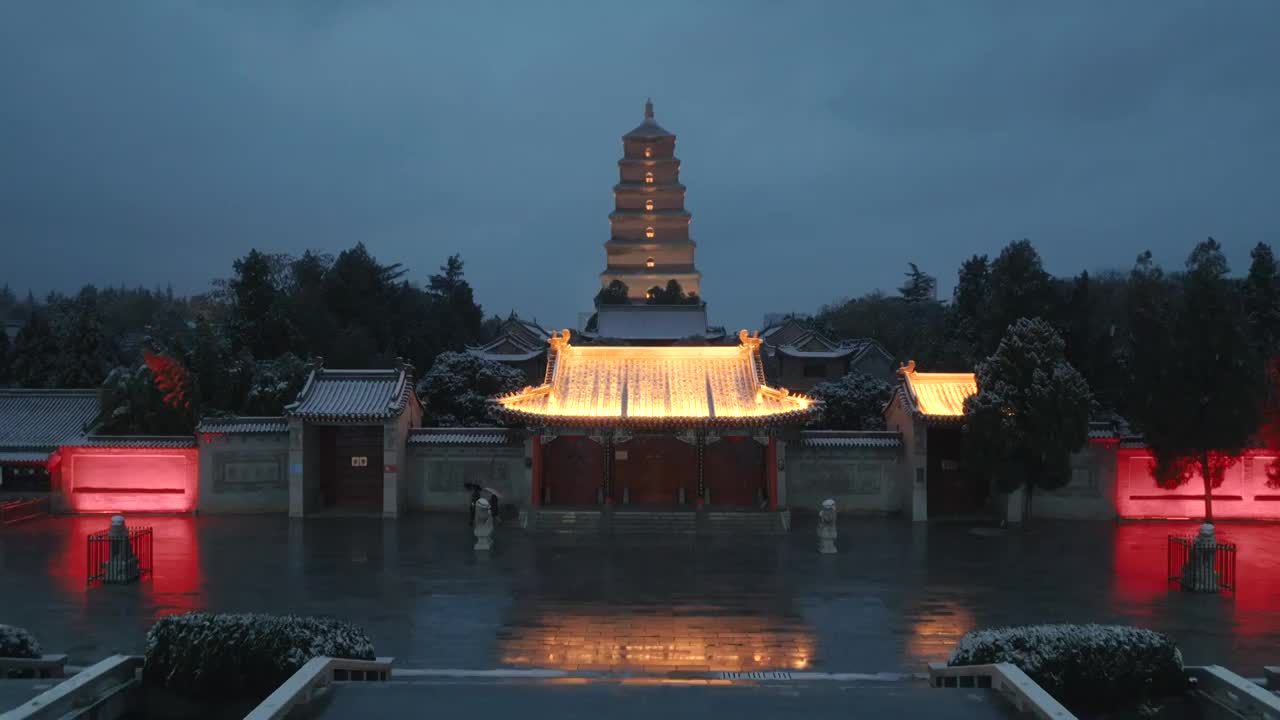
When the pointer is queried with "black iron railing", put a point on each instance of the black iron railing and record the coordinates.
(119, 559)
(1208, 568)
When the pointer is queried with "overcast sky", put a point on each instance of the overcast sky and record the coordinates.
(824, 144)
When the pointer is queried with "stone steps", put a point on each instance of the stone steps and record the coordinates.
(645, 522)
(744, 523)
(577, 522)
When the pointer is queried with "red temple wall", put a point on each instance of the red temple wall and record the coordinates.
(107, 480)
(1245, 494)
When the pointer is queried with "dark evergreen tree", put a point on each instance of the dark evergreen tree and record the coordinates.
(6, 357)
(614, 294)
(1030, 414)
(82, 362)
(919, 287)
(1262, 301)
(853, 402)
(35, 353)
(453, 295)
(1018, 287)
(1090, 340)
(456, 391)
(965, 316)
(259, 318)
(1196, 380)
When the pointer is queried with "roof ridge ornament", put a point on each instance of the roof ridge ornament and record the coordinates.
(559, 341)
(648, 109)
(908, 369)
(749, 341)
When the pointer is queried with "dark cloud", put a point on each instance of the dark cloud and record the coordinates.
(825, 143)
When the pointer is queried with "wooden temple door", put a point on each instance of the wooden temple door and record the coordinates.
(951, 492)
(573, 470)
(357, 468)
(651, 470)
(733, 471)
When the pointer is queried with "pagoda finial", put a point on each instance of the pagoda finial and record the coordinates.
(648, 109)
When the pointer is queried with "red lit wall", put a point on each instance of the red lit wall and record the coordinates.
(131, 480)
(1243, 495)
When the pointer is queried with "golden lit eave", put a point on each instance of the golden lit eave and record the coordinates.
(674, 386)
(938, 396)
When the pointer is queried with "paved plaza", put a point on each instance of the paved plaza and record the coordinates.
(896, 597)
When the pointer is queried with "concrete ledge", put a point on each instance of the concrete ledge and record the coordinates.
(45, 666)
(103, 690)
(1272, 674)
(1227, 689)
(1006, 679)
(315, 677)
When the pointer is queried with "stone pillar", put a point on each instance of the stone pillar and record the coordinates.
(1014, 503)
(827, 527)
(483, 525)
(297, 469)
(393, 446)
(771, 471)
(919, 494)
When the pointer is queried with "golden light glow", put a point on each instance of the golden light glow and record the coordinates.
(657, 643)
(648, 178)
(684, 382)
(648, 232)
(648, 152)
(934, 635)
(940, 394)
(649, 263)
(648, 204)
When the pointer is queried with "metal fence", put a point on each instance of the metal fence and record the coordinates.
(119, 559)
(1203, 569)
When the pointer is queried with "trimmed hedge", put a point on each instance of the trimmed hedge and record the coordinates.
(1085, 667)
(206, 655)
(17, 643)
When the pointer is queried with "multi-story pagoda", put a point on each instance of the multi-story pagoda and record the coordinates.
(649, 246)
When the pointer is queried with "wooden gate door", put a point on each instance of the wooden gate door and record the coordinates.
(733, 471)
(950, 491)
(357, 472)
(652, 470)
(573, 470)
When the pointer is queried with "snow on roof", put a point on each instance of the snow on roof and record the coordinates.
(137, 441)
(937, 396)
(459, 436)
(655, 386)
(852, 438)
(45, 419)
(353, 395)
(244, 425)
(24, 457)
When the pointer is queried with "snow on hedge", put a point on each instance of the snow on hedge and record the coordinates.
(1096, 667)
(17, 643)
(209, 654)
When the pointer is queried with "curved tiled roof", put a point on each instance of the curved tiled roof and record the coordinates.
(937, 397)
(459, 436)
(851, 438)
(137, 441)
(672, 386)
(353, 395)
(244, 425)
(45, 418)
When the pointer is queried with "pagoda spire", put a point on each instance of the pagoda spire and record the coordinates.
(648, 109)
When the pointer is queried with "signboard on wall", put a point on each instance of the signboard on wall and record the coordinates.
(359, 461)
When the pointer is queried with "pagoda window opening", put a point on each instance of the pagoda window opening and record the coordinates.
(648, 152)
(648, 204)
(649, 232)
(649, 264)
(648, 178)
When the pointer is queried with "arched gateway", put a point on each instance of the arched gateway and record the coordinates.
(655, 425)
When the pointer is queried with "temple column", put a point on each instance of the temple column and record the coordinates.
(535, 464)
(771, 472)
(608, 470)
(702, 484)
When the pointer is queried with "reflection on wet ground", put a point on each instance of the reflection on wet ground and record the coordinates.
(896, 597)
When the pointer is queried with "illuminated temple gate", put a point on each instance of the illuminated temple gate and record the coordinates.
(663, 426)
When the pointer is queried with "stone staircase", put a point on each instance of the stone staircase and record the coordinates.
(577, 522)
(721, 522)
(654, 522)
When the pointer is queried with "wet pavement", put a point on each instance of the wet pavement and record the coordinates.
(636, 701)
(896, 597)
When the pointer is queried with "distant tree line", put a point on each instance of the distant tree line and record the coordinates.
(246, 346)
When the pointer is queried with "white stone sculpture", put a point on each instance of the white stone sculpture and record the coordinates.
(483, 525)
(827, 527)
(1200, 574)
(121, 565)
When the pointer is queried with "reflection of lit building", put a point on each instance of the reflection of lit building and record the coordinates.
(635, 640)
(935, 634)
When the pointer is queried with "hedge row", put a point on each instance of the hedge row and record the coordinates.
(224, 655)
(1085, 667)
(17, 643)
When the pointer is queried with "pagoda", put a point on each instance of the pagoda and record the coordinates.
(649, 246)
